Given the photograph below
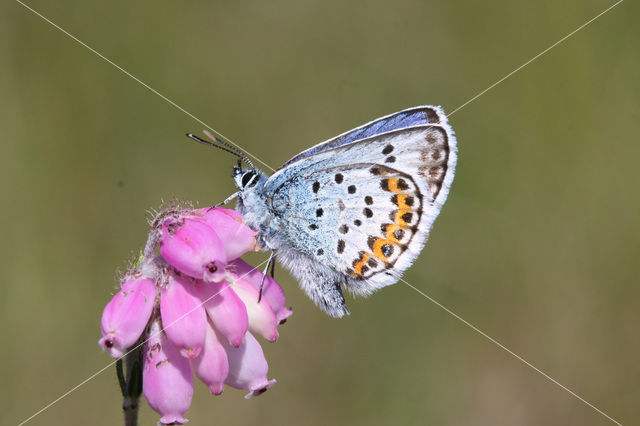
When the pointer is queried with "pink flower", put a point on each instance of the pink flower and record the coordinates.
(167, 379)
(212, 365)
(226, 310)
(183, 316)
(262, 319)
(248, 368)
(229, 225)
(193, 248)
(206, 315)
(126, 316)
(271, 290)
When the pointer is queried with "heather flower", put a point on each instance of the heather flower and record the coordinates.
(167, 379)
(126, 315)
(238, 238)
(248, 368)
(212, 365)
(193, 248)
(183, 314)
(262, 319)
(271, 290)
(225, 309)
(194, 306)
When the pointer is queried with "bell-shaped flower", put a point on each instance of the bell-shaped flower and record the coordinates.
(183, 316)
(212, 365)
(193, 248)
(238, 238)
(225, 308)
(127, 314)
(262, 319)
(168, 381)
(248, 367)
(271, 290)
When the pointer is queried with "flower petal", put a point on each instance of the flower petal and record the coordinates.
(248, 367)
(262, 319)
(193, 248)
(212, 366)
(127, 314)
(230, 226)
(183, 316)
(167, 380)
(271, 290)
(225, 308)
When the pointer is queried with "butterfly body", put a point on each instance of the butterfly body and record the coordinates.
(355, 211)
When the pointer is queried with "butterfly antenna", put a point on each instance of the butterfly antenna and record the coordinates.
(244, 157)
(202, 141)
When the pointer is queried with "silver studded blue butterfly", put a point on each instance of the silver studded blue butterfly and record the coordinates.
(355, 211)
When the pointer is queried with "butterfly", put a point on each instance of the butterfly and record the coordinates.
(355, 211)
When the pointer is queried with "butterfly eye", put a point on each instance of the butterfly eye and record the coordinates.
(247, 177)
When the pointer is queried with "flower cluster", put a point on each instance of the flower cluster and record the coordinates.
(196, 307)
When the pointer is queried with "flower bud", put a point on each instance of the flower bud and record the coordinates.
(127, 314)
(167, 380)
(212, 365)
(183, 316)
(271, 290)
(225, 308)
(238, 238)
(193, 248)
(262, 319)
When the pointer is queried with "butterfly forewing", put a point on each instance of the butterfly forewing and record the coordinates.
(407, 118)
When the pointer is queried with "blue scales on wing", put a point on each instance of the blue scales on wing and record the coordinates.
(407, 118)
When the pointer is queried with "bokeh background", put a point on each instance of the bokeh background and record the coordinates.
(538, 245)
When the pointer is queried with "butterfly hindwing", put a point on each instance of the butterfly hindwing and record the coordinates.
(365, 208)
(360, 220)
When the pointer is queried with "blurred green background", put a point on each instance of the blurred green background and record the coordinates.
(538, 245)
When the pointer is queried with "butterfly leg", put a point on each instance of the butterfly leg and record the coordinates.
(229, 198)
(273, 270)
(270, 262)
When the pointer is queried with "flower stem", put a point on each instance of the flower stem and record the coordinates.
(133, 387)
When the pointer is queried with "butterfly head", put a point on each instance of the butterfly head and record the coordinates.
(247, 178)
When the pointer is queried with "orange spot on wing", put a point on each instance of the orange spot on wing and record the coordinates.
(402, 201)
(390, 230)
(393, 184)
(358, 266)
(403, 208)
(377, 247)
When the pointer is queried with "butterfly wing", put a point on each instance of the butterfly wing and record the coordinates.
(365, 208)
(415, 116)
